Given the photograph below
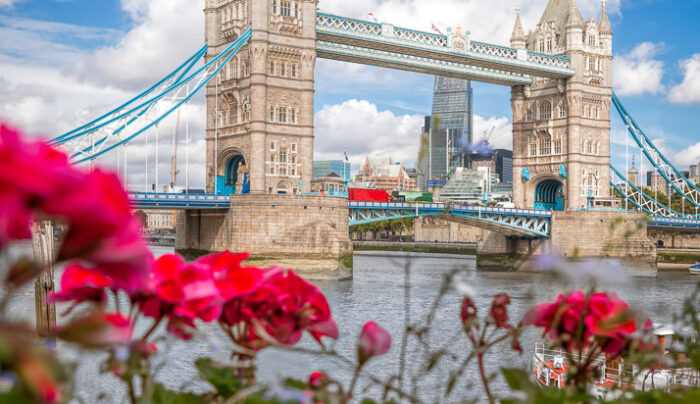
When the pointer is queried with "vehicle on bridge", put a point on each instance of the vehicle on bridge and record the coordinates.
(368, 195)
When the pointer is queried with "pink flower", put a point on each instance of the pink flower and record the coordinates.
(232, 279)
(317, 380)
(280, 310)
(98, 330)
(15, 216)
(81, 284)
(189, 288)
(374, 341)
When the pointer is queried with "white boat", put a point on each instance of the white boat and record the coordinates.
(695, 269)
(550, 368)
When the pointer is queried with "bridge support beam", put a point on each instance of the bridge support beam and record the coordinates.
(619, 236)
(306, 233)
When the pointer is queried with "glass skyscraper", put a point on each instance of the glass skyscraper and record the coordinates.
(447, 135)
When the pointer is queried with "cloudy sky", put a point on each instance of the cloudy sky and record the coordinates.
(65, 61)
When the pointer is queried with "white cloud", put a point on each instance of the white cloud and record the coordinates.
(9, 3)
(637, 72)
(688, 92)
(497, 131)
(492, 23)
(356, 126)
(166, 33)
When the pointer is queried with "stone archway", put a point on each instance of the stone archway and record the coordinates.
(232, 175)
(549, 195)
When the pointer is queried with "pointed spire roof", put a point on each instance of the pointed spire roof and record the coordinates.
(518, 37)
(575, 20)
(604, 27)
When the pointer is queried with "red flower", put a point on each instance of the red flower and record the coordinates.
(374, 341)
(577, 322)
(469, 314)
(317, 380)
(279, 311)
(230, 278)
(15, 216)
(81, 284)
(498, 315)
(188, 288)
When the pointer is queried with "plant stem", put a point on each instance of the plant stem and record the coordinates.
(132, 392)
(354, 381)
(484, 380)
(150, 330)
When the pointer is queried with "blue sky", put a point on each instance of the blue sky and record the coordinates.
(64, 61)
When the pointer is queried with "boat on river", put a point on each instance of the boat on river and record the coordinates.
(695, 269)
(550, 368)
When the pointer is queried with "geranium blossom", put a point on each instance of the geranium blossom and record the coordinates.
(279, 311)
(81, 284)
(577, 321)
(374, 341)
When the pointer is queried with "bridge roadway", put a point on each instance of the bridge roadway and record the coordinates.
(516, 222)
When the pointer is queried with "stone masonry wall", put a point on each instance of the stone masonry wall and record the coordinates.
(432, 229)
(280, 226)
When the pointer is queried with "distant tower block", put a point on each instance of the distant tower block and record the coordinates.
(633, 174)
(561, 128)
(260, 109)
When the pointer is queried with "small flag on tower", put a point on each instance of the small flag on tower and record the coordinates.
(370, 15)
(346, 157)
(436, 29)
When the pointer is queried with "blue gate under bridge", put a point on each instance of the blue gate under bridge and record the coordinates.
(549, 195)
(227, 184)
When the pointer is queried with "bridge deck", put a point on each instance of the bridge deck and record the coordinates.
(365, 42)
(520, 222)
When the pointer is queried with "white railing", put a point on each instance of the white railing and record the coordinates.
(347, 24)
(421, 37)
(493, 50)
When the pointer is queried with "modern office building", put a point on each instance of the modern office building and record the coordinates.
(499, 161)
(324, 168)
(469, 185)
(446, 137)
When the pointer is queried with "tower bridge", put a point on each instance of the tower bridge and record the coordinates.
(259, 83)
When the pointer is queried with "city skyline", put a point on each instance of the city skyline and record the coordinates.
(54, 46)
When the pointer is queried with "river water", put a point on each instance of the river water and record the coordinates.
(378, 292)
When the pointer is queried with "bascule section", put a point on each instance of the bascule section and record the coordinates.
(260, 107)
(561, 127)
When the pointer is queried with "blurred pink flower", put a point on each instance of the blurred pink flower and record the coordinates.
(81, 284)
(98, 330)
(374, 341)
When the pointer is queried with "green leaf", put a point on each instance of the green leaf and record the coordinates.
(517, 379)
(163, 396)
(223, 378)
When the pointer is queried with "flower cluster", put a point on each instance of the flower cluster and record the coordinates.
(578, 322)
(278, 311)
(37, 181)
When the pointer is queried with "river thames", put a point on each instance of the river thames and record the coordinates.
(378, 292)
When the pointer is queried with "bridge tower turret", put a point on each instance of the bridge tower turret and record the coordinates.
(561, 128)
(260, 108)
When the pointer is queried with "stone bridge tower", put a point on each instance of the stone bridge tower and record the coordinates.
(561, 128)
(260, 108)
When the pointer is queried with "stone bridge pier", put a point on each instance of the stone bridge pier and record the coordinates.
(620, 236)
(306, 233)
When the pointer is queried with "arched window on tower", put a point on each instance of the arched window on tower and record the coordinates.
(528, 115)
(562, 111)
(549, 44)
(533, 147)
(541, 45)
(545, 110)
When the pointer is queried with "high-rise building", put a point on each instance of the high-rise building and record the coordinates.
(499, 161)
(447, 133)
(324, 168)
